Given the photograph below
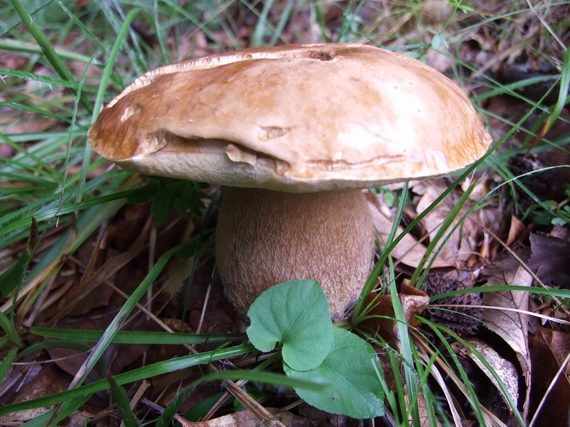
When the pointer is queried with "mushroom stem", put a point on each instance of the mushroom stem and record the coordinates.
(266, 237)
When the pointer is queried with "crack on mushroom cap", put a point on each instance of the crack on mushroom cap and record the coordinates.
(272, 132)
(131, 110)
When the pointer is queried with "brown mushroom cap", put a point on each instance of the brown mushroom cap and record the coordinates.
(294, 118)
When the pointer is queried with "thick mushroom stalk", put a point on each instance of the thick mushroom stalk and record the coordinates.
(267, 237)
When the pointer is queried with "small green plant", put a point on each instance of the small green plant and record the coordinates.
(551, 212)
(170, 195)
(295, 316)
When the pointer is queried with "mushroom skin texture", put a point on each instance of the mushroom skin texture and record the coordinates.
(314, 119)
(265, 237)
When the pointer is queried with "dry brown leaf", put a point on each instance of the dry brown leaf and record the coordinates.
(20, 417)
(504, 369)
(12, 61)
(413, 302)
(83, 417)
(549, 350)
(409, 251)
(45, 381)
(321, 418)
(463, 243)
(247, 419)
(550, 259)
(424, 413)
(510, 324)
(560, 232)
(516, 231)
(558, 344)
(8, 151)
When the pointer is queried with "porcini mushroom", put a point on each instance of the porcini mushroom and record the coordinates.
(296, 132)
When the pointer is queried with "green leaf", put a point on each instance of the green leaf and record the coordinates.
(296, 315)
(350, 370)
(437, 41)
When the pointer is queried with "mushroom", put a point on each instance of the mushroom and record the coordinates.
(295, 132)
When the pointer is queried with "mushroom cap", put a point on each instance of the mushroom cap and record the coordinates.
(297, 118)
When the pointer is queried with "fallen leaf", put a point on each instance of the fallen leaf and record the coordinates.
(247, 419)
(558, 344)
(382, 319)
(13, 121)
(550, 259)
(460, 244)
(321, 418)
(46, 381)
(425, 420)
(516, 231)
(7, 151)
(408, 251)
(549, 350)
(504, 369)
(560, 232)
(511, 324)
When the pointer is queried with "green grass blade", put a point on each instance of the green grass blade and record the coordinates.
(138, 374)
(51, 81)
(13, 278)
(389, 244)
(406, 350)
(122, 401)
(53, 212)
(8, 326)
(44, 419)
(443, 229)
(35, 110)
(159, 33)
(34, 348)
(563, 98)
(27, 47)
(262, 23)
(7, 362)
(285, 15)
(83, 28)
(136, 337)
